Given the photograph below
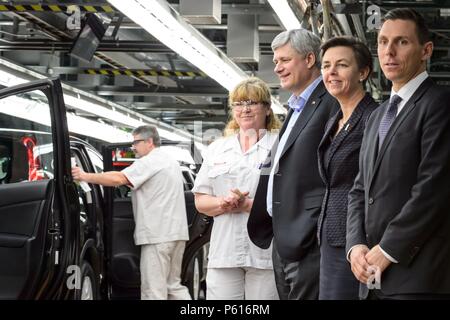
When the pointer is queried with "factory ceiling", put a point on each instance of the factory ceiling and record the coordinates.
(131, 67)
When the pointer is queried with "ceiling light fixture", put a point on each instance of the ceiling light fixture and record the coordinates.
(162, 21)
(12, 74)
(38, 112)
(285, 14)
(158, 18)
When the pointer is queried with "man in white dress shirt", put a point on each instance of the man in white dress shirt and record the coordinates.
(159, 212)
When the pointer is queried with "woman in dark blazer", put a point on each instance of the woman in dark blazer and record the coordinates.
(346, 65)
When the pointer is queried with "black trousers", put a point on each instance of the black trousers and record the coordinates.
(337, 281)
(297, 280)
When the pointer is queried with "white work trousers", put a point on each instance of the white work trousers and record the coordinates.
(240, 283)
(160, 271)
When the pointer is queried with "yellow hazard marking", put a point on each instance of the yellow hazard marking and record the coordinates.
(37, 7)
(107, 9)
(141, 73)
(55, 8)
(90, 8)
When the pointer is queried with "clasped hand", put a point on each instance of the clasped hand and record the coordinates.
(365, 262)
(234, 201)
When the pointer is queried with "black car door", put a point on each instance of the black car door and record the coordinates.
(38, 201)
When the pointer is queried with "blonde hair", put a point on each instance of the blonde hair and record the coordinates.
(251, 89)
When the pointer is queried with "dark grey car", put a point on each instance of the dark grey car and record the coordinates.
(60, 239)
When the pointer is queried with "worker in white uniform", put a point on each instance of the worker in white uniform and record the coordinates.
(159, 211)
(224, 188)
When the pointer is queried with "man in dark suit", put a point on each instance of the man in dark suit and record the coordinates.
(399, 208)
(287, 202)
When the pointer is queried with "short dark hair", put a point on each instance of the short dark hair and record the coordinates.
(148, 132)
(362, 53)
(423, 34)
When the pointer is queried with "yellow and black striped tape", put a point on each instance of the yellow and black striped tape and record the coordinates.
(54, 8)
(140, 73)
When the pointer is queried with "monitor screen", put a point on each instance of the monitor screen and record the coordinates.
(88, 39)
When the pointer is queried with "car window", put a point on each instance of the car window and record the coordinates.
(5, 162)
(124, 156)
(83, 188)
(26, 147)
(97, 161)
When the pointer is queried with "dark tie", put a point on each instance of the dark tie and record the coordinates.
(387, 119)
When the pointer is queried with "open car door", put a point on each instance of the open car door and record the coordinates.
(123, 256)
(38, 227)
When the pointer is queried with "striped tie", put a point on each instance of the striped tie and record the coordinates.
(387, 119)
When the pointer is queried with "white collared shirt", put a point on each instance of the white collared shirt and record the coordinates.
(226, 166)
(158, 201)
(408, 90)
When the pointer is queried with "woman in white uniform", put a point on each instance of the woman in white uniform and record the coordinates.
(224, 189)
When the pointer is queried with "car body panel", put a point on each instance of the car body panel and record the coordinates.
(29, 271)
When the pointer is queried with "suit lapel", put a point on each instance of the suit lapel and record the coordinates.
(351, 123)
(372, 144)
(345, 132)
(285, 123)
(323, 143)
(410, 105)
(309, 109)
(328, 133)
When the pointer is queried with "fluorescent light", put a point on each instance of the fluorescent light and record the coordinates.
(12, 74)
(103, 112)
(37, 111)
(158, 18)
(285, 14)
(97, 130)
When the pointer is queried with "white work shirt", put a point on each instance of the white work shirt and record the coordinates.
(158, 199)
(226, 166)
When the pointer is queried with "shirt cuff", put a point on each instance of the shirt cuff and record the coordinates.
(388, 256)
(202, 189)
(350, 251)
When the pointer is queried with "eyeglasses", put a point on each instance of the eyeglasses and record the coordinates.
(135, 142)
(239, 105)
